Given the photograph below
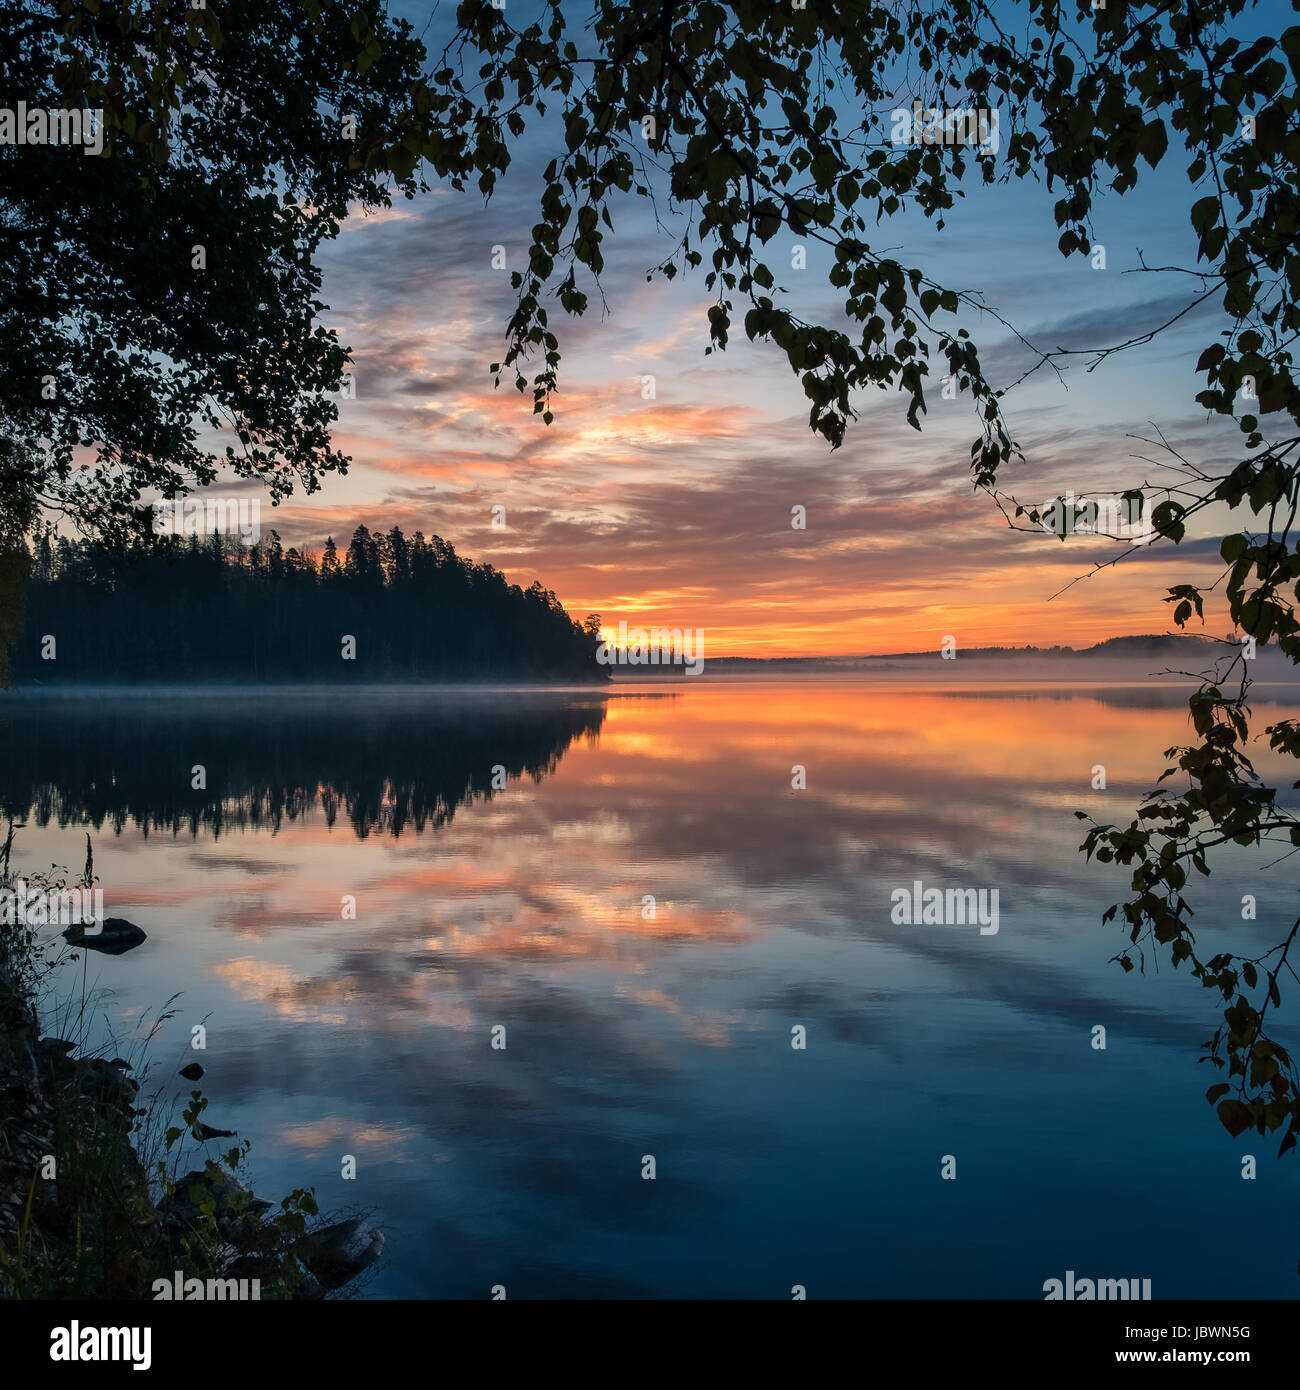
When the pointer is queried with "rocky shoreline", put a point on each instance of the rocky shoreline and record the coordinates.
(81, 1216)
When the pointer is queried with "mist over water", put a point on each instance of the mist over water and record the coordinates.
(668, 1033)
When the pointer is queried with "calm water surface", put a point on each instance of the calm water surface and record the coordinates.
(668, 1033)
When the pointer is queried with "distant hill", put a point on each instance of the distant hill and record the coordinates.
(1138, 656)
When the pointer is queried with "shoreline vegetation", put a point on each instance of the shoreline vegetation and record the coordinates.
(195, 609)
(93, 1200)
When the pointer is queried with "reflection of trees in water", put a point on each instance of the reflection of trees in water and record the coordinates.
(384, 766)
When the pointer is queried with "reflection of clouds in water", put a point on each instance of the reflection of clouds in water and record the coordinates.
(901, 785)
(670, 1035)
(723, 878)
(384, 1141)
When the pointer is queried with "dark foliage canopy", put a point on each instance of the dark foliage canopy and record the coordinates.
(159, 301)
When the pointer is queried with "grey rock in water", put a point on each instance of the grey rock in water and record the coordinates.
(340, 1252)
(115, 936)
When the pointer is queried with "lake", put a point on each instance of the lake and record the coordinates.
(628, 890)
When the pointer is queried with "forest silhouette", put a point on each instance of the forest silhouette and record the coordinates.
(175, 609)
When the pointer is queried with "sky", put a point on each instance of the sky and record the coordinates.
(676, 511)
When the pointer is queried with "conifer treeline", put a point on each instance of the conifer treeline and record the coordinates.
(185, 608)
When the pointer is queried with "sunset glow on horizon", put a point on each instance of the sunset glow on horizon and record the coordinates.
(662, 493)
